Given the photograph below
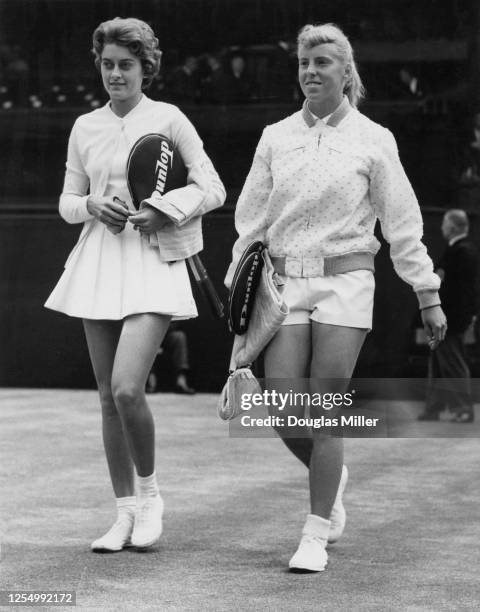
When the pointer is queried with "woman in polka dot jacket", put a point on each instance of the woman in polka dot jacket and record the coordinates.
(319, 180)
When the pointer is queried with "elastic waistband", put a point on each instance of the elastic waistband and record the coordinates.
(304, 267)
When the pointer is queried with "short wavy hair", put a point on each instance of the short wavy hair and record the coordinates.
(134, 34)
(313, 35)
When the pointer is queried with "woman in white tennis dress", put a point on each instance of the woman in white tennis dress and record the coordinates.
(126, 277)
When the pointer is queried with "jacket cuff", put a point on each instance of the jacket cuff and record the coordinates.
(85, 214)
(171, 211)
(428, 298)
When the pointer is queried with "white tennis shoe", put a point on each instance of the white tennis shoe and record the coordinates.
(311, 555)
(148, 521)
(117, 537)
(338, 516)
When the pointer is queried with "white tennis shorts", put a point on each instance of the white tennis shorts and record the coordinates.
(342, 299)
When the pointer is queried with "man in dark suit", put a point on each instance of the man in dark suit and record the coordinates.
(458, 270)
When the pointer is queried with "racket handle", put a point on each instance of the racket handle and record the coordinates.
(205, 285)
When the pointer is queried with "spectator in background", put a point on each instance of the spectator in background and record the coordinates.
(409, 84)
(183, 85)
(157, 89)
(471, 172)
(239, 86)
(280, 77)
(16, 74)
(175, 348)
(475, 142)
(458, 269)
(214, 84)
(366, 29)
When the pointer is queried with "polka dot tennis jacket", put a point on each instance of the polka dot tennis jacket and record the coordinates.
(316, 189)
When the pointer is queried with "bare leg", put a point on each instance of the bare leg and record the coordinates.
(288, 356)
(140, 338)
(102, 339)
(335, 351)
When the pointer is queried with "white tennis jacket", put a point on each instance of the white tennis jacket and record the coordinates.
(92, 144)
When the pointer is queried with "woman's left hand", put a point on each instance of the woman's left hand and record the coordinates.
(435, 325)
(148, 220)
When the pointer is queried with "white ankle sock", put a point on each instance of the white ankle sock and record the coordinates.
(126, 506)
(148, 486)
(317, 526)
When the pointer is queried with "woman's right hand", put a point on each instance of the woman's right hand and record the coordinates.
(111, 211)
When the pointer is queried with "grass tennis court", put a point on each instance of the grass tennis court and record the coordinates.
(234, 511)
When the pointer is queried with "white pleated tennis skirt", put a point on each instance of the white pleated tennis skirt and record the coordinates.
(111, 276)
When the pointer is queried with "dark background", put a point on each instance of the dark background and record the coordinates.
(435, 39)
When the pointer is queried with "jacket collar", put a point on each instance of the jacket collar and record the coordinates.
(139, 107)
(456, 239)
(335, 118)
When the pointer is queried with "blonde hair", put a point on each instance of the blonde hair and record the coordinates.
(312, 35)
(134, 34)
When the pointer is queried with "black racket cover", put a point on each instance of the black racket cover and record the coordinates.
(154, 164)
(244, 286)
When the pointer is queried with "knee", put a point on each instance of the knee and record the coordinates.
(126, 395)
(107, 401)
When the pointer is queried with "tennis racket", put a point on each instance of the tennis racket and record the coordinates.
(154, 164)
